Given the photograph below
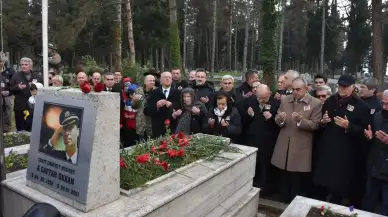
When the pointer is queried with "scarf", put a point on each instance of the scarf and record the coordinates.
(220, 113)
(184, 122)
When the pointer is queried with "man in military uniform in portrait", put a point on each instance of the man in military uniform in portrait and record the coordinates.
(65, 136)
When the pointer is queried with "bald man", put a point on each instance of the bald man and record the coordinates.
(81, 78)
(163, 101)
(262, 133)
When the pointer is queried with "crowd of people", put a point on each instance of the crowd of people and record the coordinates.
(311, 142)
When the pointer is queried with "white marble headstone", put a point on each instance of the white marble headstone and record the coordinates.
(94, 180)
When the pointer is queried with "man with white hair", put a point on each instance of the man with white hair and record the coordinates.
(162, 104)
(323, 93)
(6, 76)
(57, 81)
(288, 78)
(20, 87)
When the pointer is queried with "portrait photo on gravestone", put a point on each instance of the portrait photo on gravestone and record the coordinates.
(60, 131)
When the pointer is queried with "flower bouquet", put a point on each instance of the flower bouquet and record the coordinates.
(154, 158)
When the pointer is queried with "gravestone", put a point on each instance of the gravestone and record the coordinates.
(75, 146)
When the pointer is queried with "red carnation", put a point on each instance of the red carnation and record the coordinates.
(183, 142)
(153, 149)
(99, 87)
(171, 153)
(156, 161)
(163, 144)
(143, 159)
(164, 164)
(122, 163)
(181, 135)
(167, 122)
(322, 208)
(173, 136)
(85, 87)
(180, 153)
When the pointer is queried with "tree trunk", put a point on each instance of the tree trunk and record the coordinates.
(322, 61)
(246, 40)
(162, 59)
(281, 29)
(214, 37)
(117, 41)
(185, 38)
(175, 50)
(131, 41)
(235, 46)
(157, 58)
(377, 43)
(230, 34)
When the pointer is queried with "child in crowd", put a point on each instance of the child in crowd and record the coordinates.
(223, 119)
(29, 114)
(128, 119)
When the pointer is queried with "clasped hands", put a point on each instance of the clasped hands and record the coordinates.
(177, 113)
(163, 102)
(267, 115)
(342, 122)
(296, 116)
(381, 135)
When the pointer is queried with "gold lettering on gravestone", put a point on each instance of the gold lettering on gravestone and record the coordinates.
(56, 175)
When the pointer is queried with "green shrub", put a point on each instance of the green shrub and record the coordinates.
(15, 162)
(133, 71)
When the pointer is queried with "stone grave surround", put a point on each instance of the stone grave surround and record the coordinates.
(219, 188)
(98, 150)
(300, 206)
(222, 187)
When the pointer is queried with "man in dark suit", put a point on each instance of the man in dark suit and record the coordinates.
(66, 134)
(162, 102)
(111, 86)
(20, 88)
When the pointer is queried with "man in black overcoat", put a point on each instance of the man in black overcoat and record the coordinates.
(162, 102)
(262, 133)
(342, 151)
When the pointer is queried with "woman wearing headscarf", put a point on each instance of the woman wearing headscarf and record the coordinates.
(224, 119)
(191, 118)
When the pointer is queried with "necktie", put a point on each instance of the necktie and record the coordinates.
(165, 93)
(70, 160)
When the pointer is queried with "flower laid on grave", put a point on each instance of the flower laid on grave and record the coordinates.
(327, 211)
(157, 157)
(85, 87)
(98, 87)
(351, 209)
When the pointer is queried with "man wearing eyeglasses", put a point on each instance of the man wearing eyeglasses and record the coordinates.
(323, 93)
(262, 132)
(298, 117)
(342, 150)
